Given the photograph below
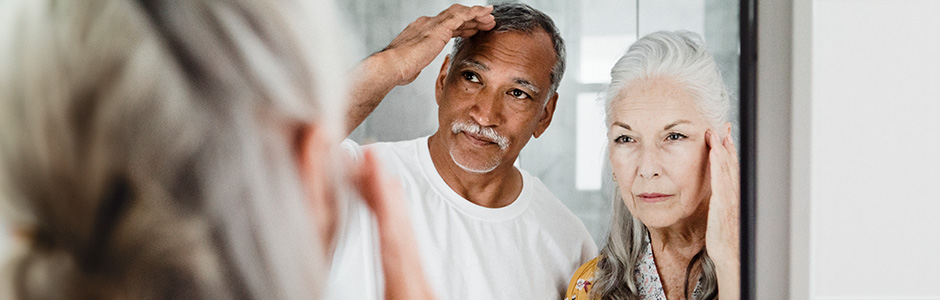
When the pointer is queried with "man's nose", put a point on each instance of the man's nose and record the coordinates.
(487, 110)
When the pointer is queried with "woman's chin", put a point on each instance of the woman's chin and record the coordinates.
(658, 220)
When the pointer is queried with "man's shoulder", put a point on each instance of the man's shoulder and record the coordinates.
(551, 210)
(403, 158)
(543, 196)
(386, 151)
(406, 146)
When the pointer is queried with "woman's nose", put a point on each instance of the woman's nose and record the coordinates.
(650, 166)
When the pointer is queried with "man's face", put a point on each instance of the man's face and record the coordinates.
(493, 96)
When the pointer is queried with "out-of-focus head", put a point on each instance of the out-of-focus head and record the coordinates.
(497, 89)
(665, 93)
(169, 149)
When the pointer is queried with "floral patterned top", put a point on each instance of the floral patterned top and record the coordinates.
(646, 276)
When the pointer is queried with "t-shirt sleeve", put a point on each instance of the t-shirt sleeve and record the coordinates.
(589, 249)
(351, 149)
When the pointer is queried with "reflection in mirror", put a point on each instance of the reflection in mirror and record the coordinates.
(570, 157)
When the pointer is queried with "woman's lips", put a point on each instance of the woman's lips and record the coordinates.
(653, 197)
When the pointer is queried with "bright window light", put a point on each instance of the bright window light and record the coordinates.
(591, 140)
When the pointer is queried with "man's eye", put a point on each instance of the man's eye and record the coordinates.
(675, 136)
(517, 93)
(623, 139)
(471, 77)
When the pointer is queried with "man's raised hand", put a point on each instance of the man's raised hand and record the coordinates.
(417, 46)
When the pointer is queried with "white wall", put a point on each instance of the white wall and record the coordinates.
(865, 220)
(773, 140)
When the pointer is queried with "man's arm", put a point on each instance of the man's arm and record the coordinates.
(404, 58)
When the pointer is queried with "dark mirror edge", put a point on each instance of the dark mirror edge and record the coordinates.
(748, 129)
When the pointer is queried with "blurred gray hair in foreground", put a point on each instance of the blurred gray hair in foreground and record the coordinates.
(145, 146)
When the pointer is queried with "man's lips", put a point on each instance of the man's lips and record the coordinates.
(653, 197)
(478, 139)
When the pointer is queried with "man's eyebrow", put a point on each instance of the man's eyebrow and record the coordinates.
(526, 84)
(625, 126)
(474, 64)
(676, 123)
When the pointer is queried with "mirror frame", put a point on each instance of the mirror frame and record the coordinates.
(748, 145)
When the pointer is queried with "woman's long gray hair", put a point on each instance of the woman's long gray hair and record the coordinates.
(680, 56)
(147, 145)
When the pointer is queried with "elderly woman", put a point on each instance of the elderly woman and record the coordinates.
(178, 150)
(674, 228)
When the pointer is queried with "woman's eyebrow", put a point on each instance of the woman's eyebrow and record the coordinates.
(676, 123)
(625, 126)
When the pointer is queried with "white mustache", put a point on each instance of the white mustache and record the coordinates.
(485, 132)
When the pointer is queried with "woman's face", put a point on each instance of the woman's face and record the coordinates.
(658, 152)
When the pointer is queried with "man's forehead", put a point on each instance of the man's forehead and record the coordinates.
(529, 51)
(512, 40)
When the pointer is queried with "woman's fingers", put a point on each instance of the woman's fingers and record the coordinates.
(401, 264)
(722, 232)
(723, 162)
(733, 161)
(378, 191)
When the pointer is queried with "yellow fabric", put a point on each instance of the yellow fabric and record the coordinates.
(585, 273)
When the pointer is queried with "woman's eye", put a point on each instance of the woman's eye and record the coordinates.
(623, 139)
(675, 136)
(519, 94)
(471, 77)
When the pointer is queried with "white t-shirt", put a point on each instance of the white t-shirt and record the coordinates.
(526, 250)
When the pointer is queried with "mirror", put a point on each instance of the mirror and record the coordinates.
(568, 158)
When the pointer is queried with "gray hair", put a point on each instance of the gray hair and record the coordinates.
(680, 56)
(524, 18)
(146, 145)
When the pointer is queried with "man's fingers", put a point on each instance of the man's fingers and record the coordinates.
(485, 19)
(479, 11)
(457, 15)
(465, 33)
(485, 22)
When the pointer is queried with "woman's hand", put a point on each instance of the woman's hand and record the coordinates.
(722, 234)
(401, 265)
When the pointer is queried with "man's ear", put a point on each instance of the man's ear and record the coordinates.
(546, 115)
(441, 76)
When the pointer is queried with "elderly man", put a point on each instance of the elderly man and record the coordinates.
(484, 228)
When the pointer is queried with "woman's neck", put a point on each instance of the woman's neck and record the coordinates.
(673, 249)
(682, 240)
